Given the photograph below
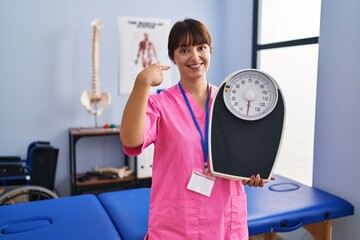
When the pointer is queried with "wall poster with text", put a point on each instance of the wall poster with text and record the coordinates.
(142, 42)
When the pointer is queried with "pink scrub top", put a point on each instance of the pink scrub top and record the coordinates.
(175, 211)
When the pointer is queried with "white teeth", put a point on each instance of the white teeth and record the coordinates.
(195, 66)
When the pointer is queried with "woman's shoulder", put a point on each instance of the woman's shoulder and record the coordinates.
(165, 93)
(214, 87)
(213, 90)
(165, 96)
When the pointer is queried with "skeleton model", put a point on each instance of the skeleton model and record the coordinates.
(95, 97)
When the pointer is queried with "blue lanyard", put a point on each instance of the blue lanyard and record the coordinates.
(204, 141)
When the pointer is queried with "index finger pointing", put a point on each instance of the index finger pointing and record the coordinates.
(165, 67)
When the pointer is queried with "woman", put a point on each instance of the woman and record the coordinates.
(186, 201)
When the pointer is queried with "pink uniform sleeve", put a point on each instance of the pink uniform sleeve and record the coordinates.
(150, 133)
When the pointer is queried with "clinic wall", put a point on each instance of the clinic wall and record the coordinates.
(237, 35)
(337, 129)
(45, 65)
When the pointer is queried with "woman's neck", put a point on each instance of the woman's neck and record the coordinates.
(198, 89)
(195, 88)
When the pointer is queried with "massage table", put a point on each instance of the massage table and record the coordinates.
(284, 205)
(281, 205)
(78, 217)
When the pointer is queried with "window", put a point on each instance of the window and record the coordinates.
(285, 45)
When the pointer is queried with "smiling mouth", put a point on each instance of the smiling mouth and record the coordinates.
(195, 66)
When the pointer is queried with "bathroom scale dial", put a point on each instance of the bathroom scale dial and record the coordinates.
(250, 94)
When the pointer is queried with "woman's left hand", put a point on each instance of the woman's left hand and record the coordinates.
(255, 181)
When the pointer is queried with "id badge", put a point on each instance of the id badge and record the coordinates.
(201, 182)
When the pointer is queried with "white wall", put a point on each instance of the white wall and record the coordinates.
(337, 130)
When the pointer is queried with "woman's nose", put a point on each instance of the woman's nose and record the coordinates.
(195, 54)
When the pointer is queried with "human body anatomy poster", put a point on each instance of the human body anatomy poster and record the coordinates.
(142, 42)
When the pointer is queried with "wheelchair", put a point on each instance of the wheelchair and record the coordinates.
(31, 179)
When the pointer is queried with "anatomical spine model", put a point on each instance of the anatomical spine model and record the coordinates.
(95, 97)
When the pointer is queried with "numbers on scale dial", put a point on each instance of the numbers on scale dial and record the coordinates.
(250, 95)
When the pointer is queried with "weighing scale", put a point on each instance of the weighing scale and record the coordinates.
(246, 125)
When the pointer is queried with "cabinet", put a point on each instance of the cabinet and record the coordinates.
(93, 184)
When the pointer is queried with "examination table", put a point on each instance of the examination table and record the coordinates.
(282, 205)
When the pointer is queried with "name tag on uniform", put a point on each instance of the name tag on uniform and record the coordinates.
(201, 183)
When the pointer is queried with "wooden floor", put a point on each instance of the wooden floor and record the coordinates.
(267, 236)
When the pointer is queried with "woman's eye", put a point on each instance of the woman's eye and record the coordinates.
(202, 47)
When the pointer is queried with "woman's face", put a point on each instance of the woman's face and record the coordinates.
(192, 61)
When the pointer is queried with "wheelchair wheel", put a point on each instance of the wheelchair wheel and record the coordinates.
(26, 194)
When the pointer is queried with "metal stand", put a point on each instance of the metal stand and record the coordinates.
(95, 116)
